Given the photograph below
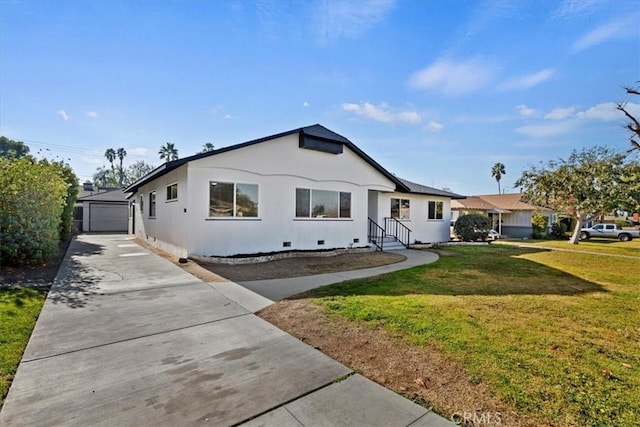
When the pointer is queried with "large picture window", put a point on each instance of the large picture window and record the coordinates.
(400, 208)
(228, 199)
(435, 210)
(322, 204)
(152, 204)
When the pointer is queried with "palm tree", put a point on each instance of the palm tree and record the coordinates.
(121, 153)
(497, 171)
(168, 152)
(207, 146)
(110, 154)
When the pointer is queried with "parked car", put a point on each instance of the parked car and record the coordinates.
(609, 231)
(493, 235)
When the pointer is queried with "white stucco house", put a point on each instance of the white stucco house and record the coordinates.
(305, 189)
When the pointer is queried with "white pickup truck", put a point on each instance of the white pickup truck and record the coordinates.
(609, 231)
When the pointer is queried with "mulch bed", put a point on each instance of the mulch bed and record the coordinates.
(303, 266)
(34, 276)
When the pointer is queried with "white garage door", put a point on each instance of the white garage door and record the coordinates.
(108, 217)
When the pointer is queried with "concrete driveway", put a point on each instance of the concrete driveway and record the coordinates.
(127, 338)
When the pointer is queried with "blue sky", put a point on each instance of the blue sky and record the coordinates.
(436, 91)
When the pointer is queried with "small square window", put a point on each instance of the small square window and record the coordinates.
(320, 242)
(286, 244)
(172, 192)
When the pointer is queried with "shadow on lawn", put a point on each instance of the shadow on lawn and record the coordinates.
(76, 282)
(488, 271)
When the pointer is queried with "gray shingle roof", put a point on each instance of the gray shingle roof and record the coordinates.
(107, 196)
(423, 189)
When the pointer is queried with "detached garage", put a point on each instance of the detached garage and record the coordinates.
(107, 211)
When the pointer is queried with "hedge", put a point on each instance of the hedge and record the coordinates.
(32, 195)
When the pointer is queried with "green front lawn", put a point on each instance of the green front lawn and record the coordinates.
(19, 310)
(605, 246)
(556, 335)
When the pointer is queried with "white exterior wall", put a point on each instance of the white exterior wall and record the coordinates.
(279, 167)
(517, 218)
(422, 229)
(169, 229)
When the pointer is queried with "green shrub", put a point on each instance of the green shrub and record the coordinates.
(32, 194)
(71, 181)
(472, 227)
(558, 230)
(622, 223)
(539, 223)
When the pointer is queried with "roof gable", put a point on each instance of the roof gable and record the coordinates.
(316, 131)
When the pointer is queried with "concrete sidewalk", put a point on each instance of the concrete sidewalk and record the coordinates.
(127, 338)
(277, 289)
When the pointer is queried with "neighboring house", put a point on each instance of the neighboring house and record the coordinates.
(304, 189)
(510, 216)
(105, 211)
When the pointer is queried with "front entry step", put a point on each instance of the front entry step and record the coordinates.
(390, 243)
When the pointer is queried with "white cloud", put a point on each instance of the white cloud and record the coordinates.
(454, 77)
(338, 19)
(92, 114)
(620, 28)
(227, 117)
(63, 114)
(570, 9)
(544, 130)
(607, 111)
(488, 13)
(381, 113)
(560, 113)
(528, 81)
(305, 104)
(525, 111)
(434, 126)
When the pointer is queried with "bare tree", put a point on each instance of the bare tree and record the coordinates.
(634, 124)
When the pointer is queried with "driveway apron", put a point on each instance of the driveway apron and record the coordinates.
(127, 338)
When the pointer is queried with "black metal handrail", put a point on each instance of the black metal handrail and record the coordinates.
(376, 234)
(402, 233)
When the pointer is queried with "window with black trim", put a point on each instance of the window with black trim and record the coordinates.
(152, 204)
(400, 208)
(322, 203)
(435, 210)
(234, 200)
(172, 192)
